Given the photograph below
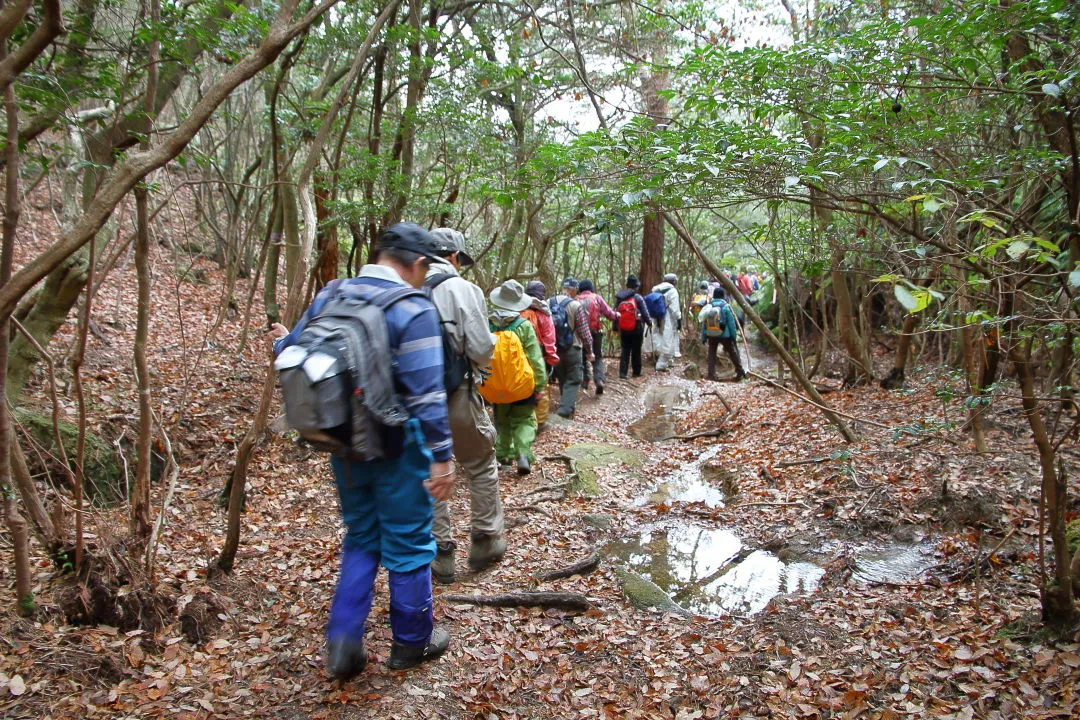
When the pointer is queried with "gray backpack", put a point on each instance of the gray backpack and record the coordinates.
(337, 381)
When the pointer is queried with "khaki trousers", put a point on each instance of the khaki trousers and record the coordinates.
(474, 452)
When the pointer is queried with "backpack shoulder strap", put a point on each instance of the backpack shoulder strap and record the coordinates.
(436, 280)
(384, 300)
(515, 323)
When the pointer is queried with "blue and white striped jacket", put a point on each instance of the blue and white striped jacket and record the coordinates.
(416, 345)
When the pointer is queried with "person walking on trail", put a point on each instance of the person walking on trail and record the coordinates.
(701, 297)
(667, 343)
(539, 316)
(463, 312)
(718, 328)
(574, 342)
(595, 309)
(633, 318)
(515, 422)
(387, 504)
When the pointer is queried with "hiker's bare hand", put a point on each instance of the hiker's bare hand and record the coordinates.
(277, 331)
(441, 482)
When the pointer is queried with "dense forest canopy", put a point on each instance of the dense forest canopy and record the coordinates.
(904, 175)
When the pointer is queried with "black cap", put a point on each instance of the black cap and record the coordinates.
(632, 282)
(409, 236)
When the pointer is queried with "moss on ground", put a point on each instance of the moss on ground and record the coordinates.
(590, 456)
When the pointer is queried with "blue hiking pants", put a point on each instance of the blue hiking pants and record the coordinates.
(387, 513)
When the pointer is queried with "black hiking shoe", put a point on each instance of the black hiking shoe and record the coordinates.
(442, 567)
(599, 390)
(345, 658)
(403, 657)
(740, 375)
(523, 465)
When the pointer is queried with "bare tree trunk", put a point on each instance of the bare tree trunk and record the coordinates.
(895, 378)
(1057, 595)
(326, 241)
(860, 368)
(139, 520)
(652, 251)
(24, 595)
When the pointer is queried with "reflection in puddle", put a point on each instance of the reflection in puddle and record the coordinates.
(709, 572)
(687, 484)
(896, 563)
(658, 423)
(666, 398)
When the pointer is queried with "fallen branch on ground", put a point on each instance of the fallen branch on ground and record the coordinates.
(807, 400)
(556, 486)
(588, 564)
(807, 461)
(530, 508)
(561, 600)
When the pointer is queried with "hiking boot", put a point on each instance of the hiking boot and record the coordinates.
(504, 462)
(740, 374)
(599, 390)
(523, 465)
(403, 657)
(345, 658)
(564, 413)
(442, 567)
(486, 550)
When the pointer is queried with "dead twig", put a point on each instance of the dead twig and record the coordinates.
(806, 461)
(585, 565)
(575, 602)
(530, 508)
(545, 488)
(715, 432)
(772, 504)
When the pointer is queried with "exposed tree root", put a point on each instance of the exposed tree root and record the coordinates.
(575, 602)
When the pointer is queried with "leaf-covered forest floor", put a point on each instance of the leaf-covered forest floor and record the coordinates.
(958, 640)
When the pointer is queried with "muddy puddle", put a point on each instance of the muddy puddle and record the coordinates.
(709, 571)
(661, 403)
(698, 481)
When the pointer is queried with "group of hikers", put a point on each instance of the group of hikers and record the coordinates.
(414, 350)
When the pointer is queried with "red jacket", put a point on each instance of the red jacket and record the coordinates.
(540, 318)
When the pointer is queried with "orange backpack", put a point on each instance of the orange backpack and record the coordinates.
(511, 374)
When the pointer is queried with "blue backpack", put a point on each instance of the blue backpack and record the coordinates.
(654, 301)
(564, 336)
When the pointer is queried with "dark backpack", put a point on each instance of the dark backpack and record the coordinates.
(337, 381)
(456, 366)
(628, 314)
(656, 305)
(564, 336)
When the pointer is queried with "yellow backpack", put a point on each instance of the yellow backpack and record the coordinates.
(511, 374)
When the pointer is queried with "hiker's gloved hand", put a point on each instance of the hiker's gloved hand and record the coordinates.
(482, 373)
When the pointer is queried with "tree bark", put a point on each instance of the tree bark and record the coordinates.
(139, 520)
(1057, 596)
(574, 602)
(24, 597)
